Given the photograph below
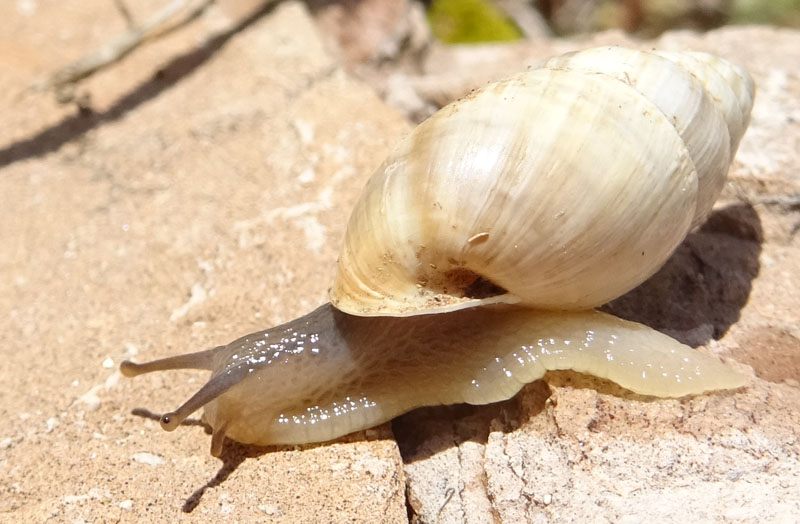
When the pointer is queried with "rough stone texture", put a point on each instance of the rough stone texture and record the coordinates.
(206, 196)
(583, 449)
(193, 206)
(371, 31)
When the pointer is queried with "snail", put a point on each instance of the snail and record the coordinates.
(477, 252)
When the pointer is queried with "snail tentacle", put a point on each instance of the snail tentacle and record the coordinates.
(216, 386)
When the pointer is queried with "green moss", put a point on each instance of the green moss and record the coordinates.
(778, 12)
(463, 21)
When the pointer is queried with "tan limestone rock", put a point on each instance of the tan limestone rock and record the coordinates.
(585, 450)
(204, 198)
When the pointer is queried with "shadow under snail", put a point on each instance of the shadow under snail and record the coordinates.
(477, 251)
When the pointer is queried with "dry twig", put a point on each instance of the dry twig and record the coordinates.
(124, 11)
(528, 19)
(122, 45)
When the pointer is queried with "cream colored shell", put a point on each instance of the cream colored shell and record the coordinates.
(559, 188)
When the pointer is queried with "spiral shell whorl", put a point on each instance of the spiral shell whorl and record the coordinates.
(706, 98)
(559, 188)
(729, 86)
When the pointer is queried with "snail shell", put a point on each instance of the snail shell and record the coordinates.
(565, 186)
(515, 211)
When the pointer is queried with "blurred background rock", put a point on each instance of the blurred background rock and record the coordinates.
(419, 55)
(362, 26)
(466, 21)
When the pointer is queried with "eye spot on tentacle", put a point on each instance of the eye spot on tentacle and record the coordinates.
(169, 421)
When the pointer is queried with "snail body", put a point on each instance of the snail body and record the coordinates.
(476, 253)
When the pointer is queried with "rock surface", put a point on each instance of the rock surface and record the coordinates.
(205, 195)
(585, 450)
(201, 200)
(371, 31)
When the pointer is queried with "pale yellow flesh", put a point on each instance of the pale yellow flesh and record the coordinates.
(368, 370)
